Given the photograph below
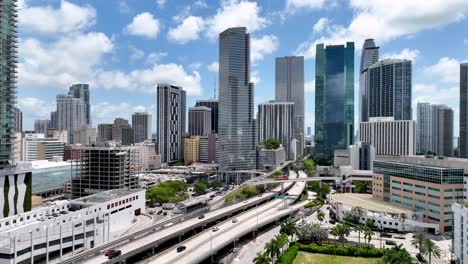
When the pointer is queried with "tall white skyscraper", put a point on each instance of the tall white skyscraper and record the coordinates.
(171, 105)
(289, 87)
(236, 97)
(141, 124)
(71, 114)
(434, 129)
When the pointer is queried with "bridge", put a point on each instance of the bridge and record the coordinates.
(309, 179)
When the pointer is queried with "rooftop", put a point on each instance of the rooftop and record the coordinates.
(367, 202)
(105, 196)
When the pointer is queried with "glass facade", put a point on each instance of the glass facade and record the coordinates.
(463, 110)
(334, 99)
(369, 56)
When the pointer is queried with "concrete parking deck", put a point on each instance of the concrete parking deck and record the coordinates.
(366, 201)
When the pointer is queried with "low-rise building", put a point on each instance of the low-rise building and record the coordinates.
(191, 150)
(148, 159)
(40, 148)
(349, 177)
(53, 231)
(270, 159)
(361, 156)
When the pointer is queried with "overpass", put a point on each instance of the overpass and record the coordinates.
(309, 179)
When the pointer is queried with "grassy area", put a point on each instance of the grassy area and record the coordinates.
(313, 258)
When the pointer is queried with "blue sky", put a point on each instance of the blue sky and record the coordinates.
(124, 48)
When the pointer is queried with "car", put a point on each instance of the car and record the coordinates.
(55, 214)
(115, 254)
(63, 212)
(234, 250)
(234, 221)
(165, 213)
(332, 221)
(245, 201)
(390, 243)
(160, 212)
(386, 235)
(286, 194)
(215, 229)
(399, 237)
(108, 252)
(181, 248)
(151, 212)
(328, 207)
(201, 217)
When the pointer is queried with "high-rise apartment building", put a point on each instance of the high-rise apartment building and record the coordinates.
(389, 137)
(424, 128)
(209, 148)
(389, 89)
(199, 121)
(334, 99)
(289, 87)
(434, 130)
(191, 150)
(41, 126)
(236, 102)
(81, 91)
(171, 106)
(71, 114)
(53, 120)
(104, 132)
(17, 120)
(213, 104)
(463, 147)
(276, 120)
(122, 132)
(369, 56)
(85, 135)
(141, 124)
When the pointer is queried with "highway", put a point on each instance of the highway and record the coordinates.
(308, 179)
(203, 245)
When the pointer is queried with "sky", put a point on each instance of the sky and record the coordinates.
(123, 48)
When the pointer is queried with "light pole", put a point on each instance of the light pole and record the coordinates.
(211, 246)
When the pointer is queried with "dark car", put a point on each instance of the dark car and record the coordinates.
(201, 217)
(234, 221)
(181, 248)
(55, 214)
(108, 252)
(390, 243)
(386, 235)
(115, 254)
(165, 213)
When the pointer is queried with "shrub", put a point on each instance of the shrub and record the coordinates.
(313, 203)
(365, 252)
(289, 255)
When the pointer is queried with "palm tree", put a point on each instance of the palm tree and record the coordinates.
(272, 249)
(418, 242)
(262, 258)
(334, 231)
(280, 239)
(359, 229)
(341, 230)
(290, 229)
(431, 249)
(320, 216)
(368, 233)
(397, 254)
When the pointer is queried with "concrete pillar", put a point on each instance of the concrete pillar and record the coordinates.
(47, 245)
(94, 231)
(14, 250)
(61, 243)
(32, 245)
(73, 239)
(108, 227)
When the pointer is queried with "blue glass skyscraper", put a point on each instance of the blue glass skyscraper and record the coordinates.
(334, 100)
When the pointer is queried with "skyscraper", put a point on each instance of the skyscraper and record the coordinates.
(81, 91)
(53, 120)
(369, 56)
(104, 132)
(424, 128)
(236, 96)
(122, 131)
(463, 110)
(141, 123)
(389, 89)
(213, 105)
(276, 120)
(41, 126)
(71, 114)
(17, 120)
(289, 87)
(334, 99)
(171, 122)
(442, 130)
(199, 121)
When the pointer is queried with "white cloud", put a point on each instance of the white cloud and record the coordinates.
(187, 31)
(136, 54)
(155, 57)
(388, 20)
(407, 54)
(35, 108)
(200, 4)
(46, 19)
(309, 87)
(161, 3)
(213, 67)
(259, 47)
(320, 25)
(446, 70)
(144, 25)
(236, 13)
(293, 5)
(105, 112)
(70, 59)
(255, 77)
(145, 80)
(465, 41)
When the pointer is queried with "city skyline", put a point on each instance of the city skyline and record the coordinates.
(430, 60)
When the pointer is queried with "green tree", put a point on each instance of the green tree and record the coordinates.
(343, 230)
(277, 173)
(200, 188)
(368, 233)
(167, 192)
(290, 229)
(262, 258)
(312, 233)
(272, 143)
(431, 249)
(309, 165)
(272, 248)
(322, 189)
(369, 223)
(418, 242)
(179, 163)
(320, 216)
(397, 254)
(359, 229)
(216, 184)
(361, 186)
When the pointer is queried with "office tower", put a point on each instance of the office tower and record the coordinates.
(191, 150)
(236, 108)
(361, 156)
(81, 91)
(209, 149)
(122, 131)
(199, 121)
(276, 120)
(104, 132)
(442, 130)
(147, 157)
(463, 110)
(17, 120)
(141, 124)
(369, 56)
(41, 126)
(424, 128)
(103, 168)
(309, 131)
(85, 135)
(334, 99)
(389, 89)
(171, 122)
(41, 148)
(213, 104)
(389, 137)
(71, 114)
(289, 87)
(53, 120)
